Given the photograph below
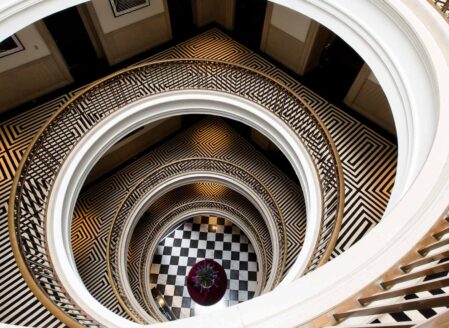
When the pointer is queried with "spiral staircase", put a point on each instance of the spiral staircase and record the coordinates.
(93, 256)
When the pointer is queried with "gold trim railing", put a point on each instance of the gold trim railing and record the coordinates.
(47, 152)
(164, 225)
(135, 197)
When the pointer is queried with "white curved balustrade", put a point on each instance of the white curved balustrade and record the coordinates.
(95, 143)
(117, 253)
(406, 45)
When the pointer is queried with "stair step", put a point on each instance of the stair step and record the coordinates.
(406, 305)
(423, 251)
(420, 287)
(442, 267)
(425, 260)
(441, 233)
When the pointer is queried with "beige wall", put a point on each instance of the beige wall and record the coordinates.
(120, 38)
(31, 73)
(367, 98)
(294, 40)
(209, 11)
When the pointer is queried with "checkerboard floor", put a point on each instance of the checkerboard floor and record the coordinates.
(197, 239)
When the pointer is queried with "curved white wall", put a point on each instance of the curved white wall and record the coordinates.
(405, 44)
(185, 179)
(96, 142)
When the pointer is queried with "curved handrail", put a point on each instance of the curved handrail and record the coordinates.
(175, 204)
(45, 155)
(137, 195)
(166, 225)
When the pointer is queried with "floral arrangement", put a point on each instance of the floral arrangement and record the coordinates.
(205, 276)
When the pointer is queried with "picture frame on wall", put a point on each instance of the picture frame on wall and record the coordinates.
(10, 46)
(123, 7)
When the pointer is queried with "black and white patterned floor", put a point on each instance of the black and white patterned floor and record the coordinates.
(195, 240)
(368, 159)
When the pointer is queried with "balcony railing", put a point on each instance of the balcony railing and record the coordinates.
(46, 155)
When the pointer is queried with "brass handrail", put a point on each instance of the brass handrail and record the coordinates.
(442, 6)
(134, 198)
(420, 270)
(164, 225)
(47, 152)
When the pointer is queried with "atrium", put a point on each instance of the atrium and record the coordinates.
(224, 163)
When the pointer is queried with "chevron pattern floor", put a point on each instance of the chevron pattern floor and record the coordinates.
(369, 164)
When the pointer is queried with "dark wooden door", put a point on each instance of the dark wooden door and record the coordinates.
(69, 33)
(248, 21)
(181, 18)
(337, 69)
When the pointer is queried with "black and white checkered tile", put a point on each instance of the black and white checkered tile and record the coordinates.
(195, 240)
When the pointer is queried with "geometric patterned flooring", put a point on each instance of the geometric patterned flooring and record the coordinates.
(212, 138)
(195, 240)
(368, 160)
(419, 315)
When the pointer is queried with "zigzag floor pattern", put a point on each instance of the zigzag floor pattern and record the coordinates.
(368, 178)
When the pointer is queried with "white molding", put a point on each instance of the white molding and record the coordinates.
(96, 142)
(411, 63)
(185, 179)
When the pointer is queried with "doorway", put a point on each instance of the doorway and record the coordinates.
(338, 67)
(181, 18)
(248, 21)
(69, 33)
